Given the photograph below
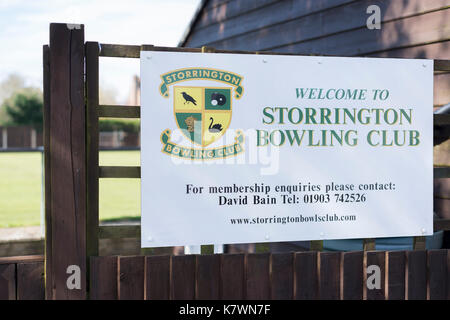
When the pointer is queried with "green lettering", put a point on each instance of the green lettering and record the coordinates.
(268, 115)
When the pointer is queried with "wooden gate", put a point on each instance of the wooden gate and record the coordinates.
(72, 173)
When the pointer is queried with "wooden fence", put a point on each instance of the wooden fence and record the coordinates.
(71, 140)
(17, 138)
(303, 275)
(20, 137)
(408, 275)
(22, 278)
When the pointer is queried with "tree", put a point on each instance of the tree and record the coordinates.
(25, 108)
(8, 87)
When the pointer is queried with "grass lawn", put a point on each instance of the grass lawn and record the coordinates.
(120, 198)
(20, 189)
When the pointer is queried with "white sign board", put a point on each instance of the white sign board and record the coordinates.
(259, 148)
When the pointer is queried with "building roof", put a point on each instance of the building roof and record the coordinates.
(191, 25)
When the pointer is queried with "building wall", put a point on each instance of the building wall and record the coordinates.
(410, 29)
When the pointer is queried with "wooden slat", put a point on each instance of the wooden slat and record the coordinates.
(417, 275)
(419, 243)
(92, 145)
(105, 111)
(157, 278)
(206, 49)
(442, 65)
(214, 4)
(133, 51)
(47, 175)
(306, 277)
(232, 277)
(21, 259)
(216, 50)
(131, 278)
(369, 244)
(169, 49)
(103, 278)
(377, 258)
(352, 275)
(8, 281)
(396, 275)
(227, 9)
(119, 51)
(273, 17)
(30, 281)
(208, 277)
(119, 231)
(441, 172)
(282, 279)
(422, 29)
(436, 50)
(119, 172)
(195, 50)
(329, 275)
(316, 245)
(441, 90)
(182, 286)
(67, 158)
(437, 274)
(29, 247)
(448, 274)
(257, 276)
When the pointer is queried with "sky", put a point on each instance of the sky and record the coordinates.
(24, 29)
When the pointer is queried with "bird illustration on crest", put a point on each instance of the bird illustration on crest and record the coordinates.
(188, 98)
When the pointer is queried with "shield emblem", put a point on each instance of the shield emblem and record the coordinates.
(202, 113)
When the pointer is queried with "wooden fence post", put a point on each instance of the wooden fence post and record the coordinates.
(92, 137)
(47, 189)
(66, 220)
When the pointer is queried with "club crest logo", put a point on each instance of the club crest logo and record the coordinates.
(202, 113)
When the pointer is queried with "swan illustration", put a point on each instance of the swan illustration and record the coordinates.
(214, 128)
